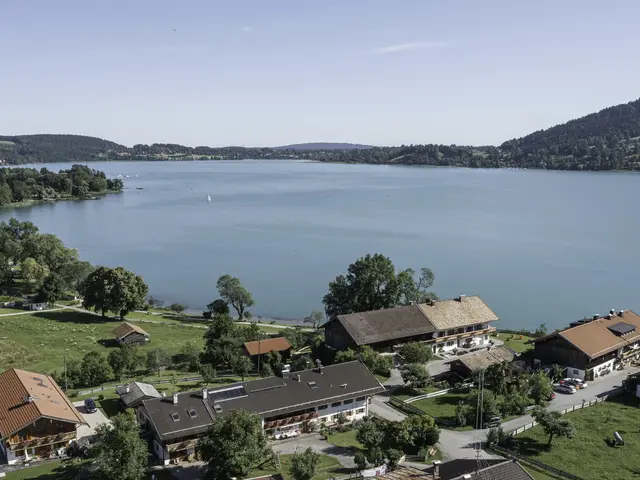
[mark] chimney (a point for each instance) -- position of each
(164, 394)
(612, 311)
(28, 399)
(461, 298)
(436, 468)
(205, 393)
(621, 313)
(596, 316)
(298, 378)
(175, 398)
(127, 388)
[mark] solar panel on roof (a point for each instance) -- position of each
(622, 328)
(227, 394)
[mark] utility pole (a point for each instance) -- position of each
(65, 374)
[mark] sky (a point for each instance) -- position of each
(276, 72)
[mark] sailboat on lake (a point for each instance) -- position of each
(208, 198)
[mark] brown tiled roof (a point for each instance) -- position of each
(278, 344)
(47, 400)
(126, 328)
(387, 324)
(458, 312)
(482, 360)
(595, 339)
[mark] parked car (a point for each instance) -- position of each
(492, 422)
(90, 406)
(576, 382)
(565, 388)
(285, 435)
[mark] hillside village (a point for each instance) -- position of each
(415, 387)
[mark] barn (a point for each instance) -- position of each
(128, 334)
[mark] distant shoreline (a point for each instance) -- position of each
(34, 202)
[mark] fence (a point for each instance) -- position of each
(408, 409)
(434, 394)
(542, 466)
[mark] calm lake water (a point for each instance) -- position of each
(536, 246)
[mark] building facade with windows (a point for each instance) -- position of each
(445, 325)
(37, 420)
(323, 395)
(592, 347)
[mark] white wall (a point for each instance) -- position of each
(572, 372)
(603, 366)
(8, 454)
(161, 452)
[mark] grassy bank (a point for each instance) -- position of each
(40, 341)
(63, 198)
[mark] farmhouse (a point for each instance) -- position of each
(462, 469)
(130, 334)
(132, 394)
(466, 365)
(36, 418)
(287, 404)
(261, 347)
(593, 346)
(445, 325)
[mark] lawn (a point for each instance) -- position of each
(345, 439)
(589, 454)
(517, 343)
(8, 311)
(328, 467)
(403, 393)
(442, 406)
(40, 341)
(54, 470)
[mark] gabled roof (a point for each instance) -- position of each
(509, 470)
(458, 312)
(26, 397)
(495, 469)
(267, 397)
(594, 338)
(278, 344)
(401, 322)
(126, 328)
(482, 360)
(137, 392)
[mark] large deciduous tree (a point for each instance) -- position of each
(553, 424)
(33, 272)
(122, 453)
(95, 369)
(234, 293)
(114, 290)
(416, 352)
(371, 283)
(52, 289)
(415, 374)
(304, 466)
(234, 445)
(124, 361)
(157, 359)
(541, 387)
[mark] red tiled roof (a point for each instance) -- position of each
(269, 345)
(46, 400)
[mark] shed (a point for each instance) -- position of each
(130, 334)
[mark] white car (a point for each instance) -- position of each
(284, 435)
(576, 382)
(565, 388)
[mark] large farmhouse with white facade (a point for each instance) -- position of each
(319, 395)
(445, 325)
(592, 347)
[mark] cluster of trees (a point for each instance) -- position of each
(605, 140)
(378, 364)
(19, 184)
(371, 283)
(113, 290)
(386, 440)
(45, 264)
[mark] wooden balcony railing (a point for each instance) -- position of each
(458, 336)
(175, 447)
(16, 443)
(290, 420)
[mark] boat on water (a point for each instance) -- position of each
(208, 198)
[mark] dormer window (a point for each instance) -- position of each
(175, 416)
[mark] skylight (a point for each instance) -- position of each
(192, 413)
(217, 408)
(175, 416)
(312, 384)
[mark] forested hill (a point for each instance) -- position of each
(323, 146)
(607, 140)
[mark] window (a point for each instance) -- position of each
(449, 344)
(192, 413)
(450, 332)
(360, 399)
(360, 411)
(576, 372)
(336, 404)
(312, 384)
(217, 408)
(348, 413)
(175, 417)
(323, 419)
(348, 402)
(322, 407)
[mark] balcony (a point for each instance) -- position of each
(17, 443)
(175, 447)
(458, 336)
(290, 420)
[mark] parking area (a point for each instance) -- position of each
(87, 432)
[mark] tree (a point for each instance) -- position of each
(415, 374)
(489, 406)
(157, 359)
(124, 361)
(95, 369)
(360, 460)
(541, 331)
(295, 337)
(556, 373)
(414, 290)
(33, 272)
(233, 446)
(497, 376)
(423, 433)
(234, 293)
(189, 357)
(301, 362)
(218, 307)
(6, 195)
(177, 307)
(221, 326)
(553, 424)
(266, 370)
(315, 318)
(416, 352)
(371, 283)
(241, 366)
(304, 466)
(220, 352)
(74, 273)
(371, 433)
(344, 356)
(51, 290)
(208, 374)
(541, 387)
(495, 435)
(114, 290)
(122, 453)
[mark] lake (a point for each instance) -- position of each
(537, 246)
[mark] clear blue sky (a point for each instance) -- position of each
(272, 72)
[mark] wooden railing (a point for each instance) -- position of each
(31, 441)
(290, 420)
(174, 447)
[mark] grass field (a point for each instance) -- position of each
(327, 468)
(8, 311)
(40, 342)
(442, 406)
(54, 470)
(589, 454)
(517, 343)
(345, 439)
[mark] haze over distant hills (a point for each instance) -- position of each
(606, 140)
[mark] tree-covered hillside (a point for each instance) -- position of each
(607, 140)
